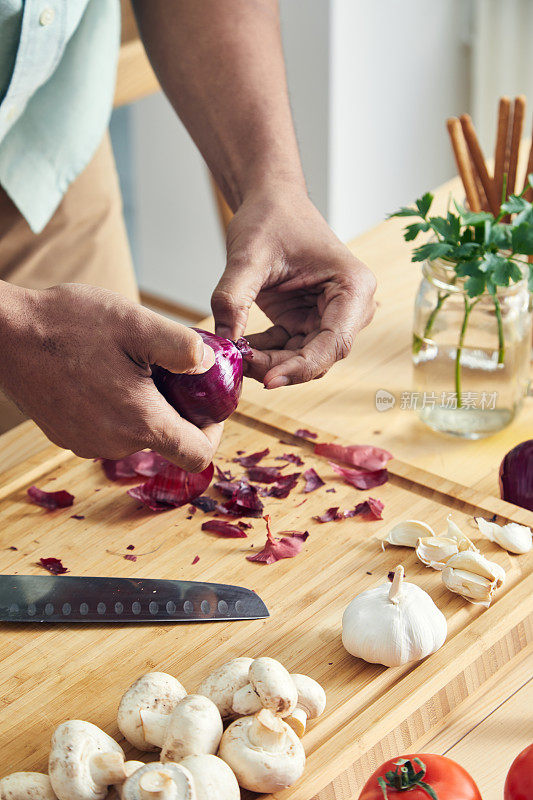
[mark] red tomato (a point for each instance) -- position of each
(436, 776)
(519, 781)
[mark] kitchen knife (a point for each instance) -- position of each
(42, 598)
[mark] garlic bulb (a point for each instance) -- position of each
(473, 576)
(408, 532)
(512, 537)
(393, 624)
(435, 551)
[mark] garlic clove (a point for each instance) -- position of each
(472, 587)
(478, 565)
(512, 537)
(408, 532)
(434, 551)
(455, 533)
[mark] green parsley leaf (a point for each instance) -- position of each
(522, 239)
(475, 285)
(431, 251)
(515, 204)
(505, 272)
(473, 218)
(412, 231)
(405, 211)
(424, 204)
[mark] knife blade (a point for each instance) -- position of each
(72, 599)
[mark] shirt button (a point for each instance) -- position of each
(47, 16)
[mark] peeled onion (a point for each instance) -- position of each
(213, 395)
(516, 475)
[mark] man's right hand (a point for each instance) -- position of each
(76, 359)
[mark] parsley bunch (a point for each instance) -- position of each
(485, 251)
(482, 248)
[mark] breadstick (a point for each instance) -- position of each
(529, 193)
(462, 160)
(479, 162)
(516, 135)
(500, 153)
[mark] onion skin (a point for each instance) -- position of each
(516, 475)
(212, 396)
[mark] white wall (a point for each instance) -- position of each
(399, 69)
(371, 83)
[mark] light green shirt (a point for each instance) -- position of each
(57, 76)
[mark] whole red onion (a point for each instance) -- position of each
(213, 395)
(516, 475)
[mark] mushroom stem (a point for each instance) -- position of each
(107, 768)
(154, 726)
(396, 588)
(129, 768)
(298, 721)
(157, 786)
(268, 731)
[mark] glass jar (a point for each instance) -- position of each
(471, 355)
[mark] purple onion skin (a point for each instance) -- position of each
(516, 475)
(212, 396)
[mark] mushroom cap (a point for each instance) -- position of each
(311, 695)
(180, 776)
(259, 769)
(73, 744)
(26, 786)
(222, 684)
(155, 691)
(194, 727)
(213, 778)
(273, 685)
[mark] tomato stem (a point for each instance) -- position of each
(406, 777)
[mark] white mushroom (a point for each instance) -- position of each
(194, 727)
(311, 702)
(512, 537)
(264, 752)
(159, 782)
(26, 786)
(84, 761)
(408, 532)
(222, 684)
(129, 768)
(213, 779)
(270, 686)
(155, 691)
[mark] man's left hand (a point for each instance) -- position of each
(282, 254)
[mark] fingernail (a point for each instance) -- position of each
(224, 331)
(209, 357)
(277, 383)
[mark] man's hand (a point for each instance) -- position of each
(76, 359)
(283, 255)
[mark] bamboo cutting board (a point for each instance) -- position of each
(49, 674)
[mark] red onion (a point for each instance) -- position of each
(214, 395)
(516, 475)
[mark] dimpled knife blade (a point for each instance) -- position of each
(71, 599)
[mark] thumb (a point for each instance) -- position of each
(173, 346)
(231, 302)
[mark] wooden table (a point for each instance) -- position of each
(492, 730)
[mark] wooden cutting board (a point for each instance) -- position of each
(49, 674)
